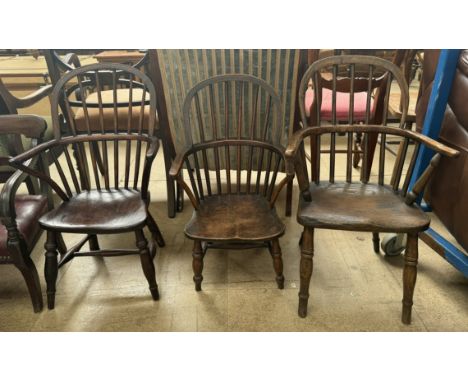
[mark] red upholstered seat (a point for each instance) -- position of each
(342, 105)
(29, 209)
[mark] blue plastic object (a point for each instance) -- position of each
(442, 86)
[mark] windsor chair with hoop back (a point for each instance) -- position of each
(96, 201)
(233, 204)
(378, 204)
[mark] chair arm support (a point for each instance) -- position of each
(188, 191)
(278, 189)
(8, 193)
(178, 163)
(422, 181)
(149, 158)
(32, 98)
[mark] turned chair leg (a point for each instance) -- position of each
(275, 251)
(51, 267)
(409, 276)
(306, 267)
(376, 241)
(197, 264)
(31, 277)
(147, 263)
(155, 231)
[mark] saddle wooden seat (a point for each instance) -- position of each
(359, 207)
(107, 211)
(234, 218)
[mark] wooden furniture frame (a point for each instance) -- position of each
(237, 212)
(19, 213)
(94, 202)
(363, 206)
(178, 70)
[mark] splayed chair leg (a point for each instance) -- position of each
(51, 267)
(275, 251)
(197, 264)
(306, 267)
(147, 263)
(409, 276)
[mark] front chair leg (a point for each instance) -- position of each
(197, 264)
(29, 272)
(275, 251)
(147, 263)
(409, 276)
(51, 267)
(306, 267)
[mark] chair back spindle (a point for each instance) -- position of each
(374, 88)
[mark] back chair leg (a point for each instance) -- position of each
(171, 203)
(180, 198)
(51, 267)
(94, 243)
(147, 263)
(376, 241)
(155, 231)
(197, 264)
(409, 276)
(275, 251)
(29, 272)
(306, 267)
(289, 192)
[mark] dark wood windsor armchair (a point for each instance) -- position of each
(58, 66)
(94, 202)
(233, 205)
(341, 204)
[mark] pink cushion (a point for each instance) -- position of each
(342, 105)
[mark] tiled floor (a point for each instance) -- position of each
(352, 288)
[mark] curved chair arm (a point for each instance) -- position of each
(301, 134)
(298, 138)
(30, 126)
(175, 173)
(19, 160)
(29, 100)
(8, 193)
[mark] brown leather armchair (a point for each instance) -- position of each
(447, 193)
